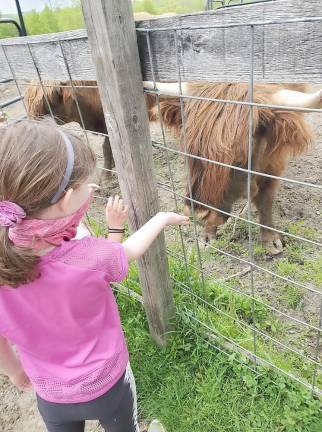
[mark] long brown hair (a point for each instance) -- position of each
(33, 160)
(219, 132)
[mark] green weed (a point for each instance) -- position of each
(291, 296)
(190, 386)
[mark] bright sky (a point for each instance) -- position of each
(9, 6)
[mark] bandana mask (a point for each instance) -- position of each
(39, 233)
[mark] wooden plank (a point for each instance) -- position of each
(115, 54)
(282, 52)
(46, 52)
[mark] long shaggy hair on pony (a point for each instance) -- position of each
(220, 132)
(58, 98)
(70, 101)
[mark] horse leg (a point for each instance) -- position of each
(213, 220)
(264, 204)
(108, 158)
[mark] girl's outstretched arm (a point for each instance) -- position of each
(10, 365)
(137, 244)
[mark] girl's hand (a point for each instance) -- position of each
(175, 219)
(116, 212)
(137, 244)
(21, 380)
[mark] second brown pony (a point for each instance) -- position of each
(77, 101)
(58, 98)
(219, 132)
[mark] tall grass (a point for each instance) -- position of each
(191, 387)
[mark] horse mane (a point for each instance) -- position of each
(61, 97)
(55, 93)
(219, 132)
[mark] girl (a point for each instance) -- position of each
(56, 304)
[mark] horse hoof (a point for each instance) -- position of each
(273, 247)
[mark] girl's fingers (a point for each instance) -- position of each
(109, 204)
(120, 206)
(116, 203)
(185, 220)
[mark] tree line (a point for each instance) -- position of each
(54, 19)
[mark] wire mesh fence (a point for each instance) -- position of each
(266, 311)
(229, 311)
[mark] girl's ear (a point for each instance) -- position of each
(64, 202)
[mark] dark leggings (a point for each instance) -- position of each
(116, 410)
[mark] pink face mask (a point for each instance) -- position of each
(40, 233)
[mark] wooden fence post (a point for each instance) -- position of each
(112, 37)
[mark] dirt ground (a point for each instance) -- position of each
(295, 206)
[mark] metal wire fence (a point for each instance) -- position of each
(211, 317)
(220, 290)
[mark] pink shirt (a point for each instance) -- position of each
(66, 324)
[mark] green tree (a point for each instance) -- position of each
(158, 7)
(54, 17)
(7, 30)
(70, 18)
(145, 6)
(49, 19)
(33, 23)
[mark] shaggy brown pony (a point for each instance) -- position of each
(63, 106)
(219, 132)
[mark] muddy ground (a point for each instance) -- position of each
(297, 210)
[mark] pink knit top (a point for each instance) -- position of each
(66, 324)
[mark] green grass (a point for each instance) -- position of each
(191, 387)
(231, 316)
(287, 268)
(313, 270)
(300, 268)
(291, 296)
(299, 228)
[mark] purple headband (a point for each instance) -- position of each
(12, 214)
(69, 168)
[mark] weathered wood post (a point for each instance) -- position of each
(112, 37)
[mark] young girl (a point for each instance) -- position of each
(56, 304)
